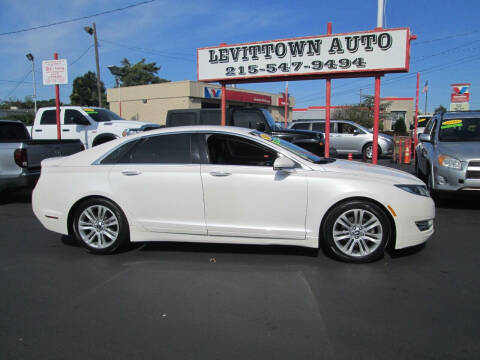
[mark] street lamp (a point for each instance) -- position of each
(31, 58)
(93, 31)
(117, 72)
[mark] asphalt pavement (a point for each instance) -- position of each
(201, 301)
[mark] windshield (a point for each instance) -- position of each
(270, 120)
(467, 129)
(304, 154)
(101, 115)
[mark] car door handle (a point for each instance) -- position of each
(65, 129)
(131, 172)
(220, 173)
(38, 130)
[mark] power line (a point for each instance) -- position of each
(446, 37)
(19, 83)
(150, 51)
(83, 54)
(77, 19)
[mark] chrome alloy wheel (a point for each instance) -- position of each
(357, 232)
(98, 226)
(369, 151)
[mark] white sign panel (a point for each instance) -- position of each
(463, 106)
(55, 72)
(339, 55)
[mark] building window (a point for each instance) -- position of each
(397, 115)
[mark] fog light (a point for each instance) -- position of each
(441, 180)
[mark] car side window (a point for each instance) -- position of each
(160, 149)
(233, 150)
(72, 115)
(428, 128)
(301, 126)
(118, 153)
(49, 117)
(434, 129)
(345, 128)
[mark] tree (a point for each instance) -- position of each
(362, 113)
(139, 74)
(441, 109)
(85, 91)
(399, 126)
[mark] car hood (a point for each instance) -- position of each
(126, 124)
(370, 171)
(460, 150)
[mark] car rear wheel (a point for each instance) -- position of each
(100, 226)
(356, 231)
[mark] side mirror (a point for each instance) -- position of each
(425, 138)
(283, 163)
(79, 121)
(356, 132)
(260, 126)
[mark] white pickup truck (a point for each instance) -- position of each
(91, 125)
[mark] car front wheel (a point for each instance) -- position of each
(356, 231)
(100, 226)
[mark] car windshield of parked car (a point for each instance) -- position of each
(466, 129)
(270, 120)
(101, 115)
(304, 154)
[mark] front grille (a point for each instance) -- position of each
(473, 174)
(474, 163)
(424, 225)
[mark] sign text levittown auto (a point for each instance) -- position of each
(329, 55)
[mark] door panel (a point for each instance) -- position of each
(162, 198)
(254, 201)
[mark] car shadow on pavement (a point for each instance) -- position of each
(19, 196)
(395, 254)
(467, 201)
(230, 248)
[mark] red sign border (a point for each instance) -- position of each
(312, 75)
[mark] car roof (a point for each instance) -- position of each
(462, 114)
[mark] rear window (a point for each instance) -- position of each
(301, 126)
(13, 131)
(210, 117)
(181, 119)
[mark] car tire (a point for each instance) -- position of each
(367, 152)
(100, 226)
(356, 231)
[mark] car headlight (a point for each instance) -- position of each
(414, 189)
(449, 162)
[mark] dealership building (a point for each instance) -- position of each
(398, 108)
(150, 103)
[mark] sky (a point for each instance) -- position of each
(447, 49)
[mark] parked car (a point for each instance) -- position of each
(91, 125)
(20, 156)
(349, 137)
(252, 118)
(229, 185)
(421, 124)
(448, 155)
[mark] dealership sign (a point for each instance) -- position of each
(339, 55)
(460, 93)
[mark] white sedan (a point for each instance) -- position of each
(229, 185)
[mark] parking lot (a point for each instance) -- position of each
(189, 301)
